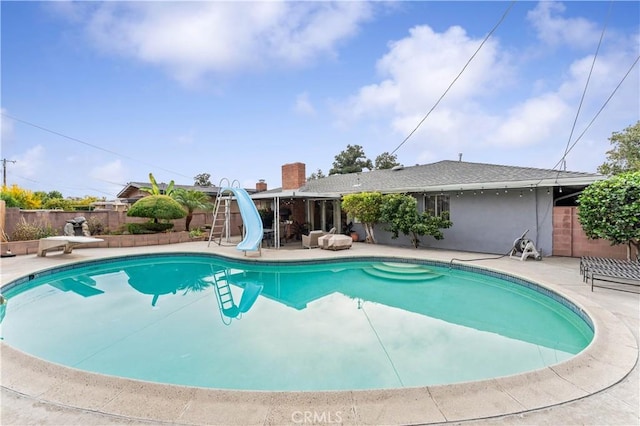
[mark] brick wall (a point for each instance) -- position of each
(570, 240)
(293, 175)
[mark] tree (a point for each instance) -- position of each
(154, 189)
(351, 160)
(191, 200)
(316, 175)
(366, 207)
(202, 179)
(401, 214)
(54, 194)
(386, 161)
(59, 204)
(625, 156)
(157, 207)
(18, 197)
(610, 209)
(9, 199)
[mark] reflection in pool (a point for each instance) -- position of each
(212, 322)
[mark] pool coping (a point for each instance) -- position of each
(609, 358)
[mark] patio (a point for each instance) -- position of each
(599, 386)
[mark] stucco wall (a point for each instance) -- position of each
(490, 222)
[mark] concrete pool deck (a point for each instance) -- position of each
(599, 386)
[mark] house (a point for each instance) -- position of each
(490, 205)
(112, 205)
(132, 192)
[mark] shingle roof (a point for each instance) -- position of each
(210, 190)
(447, 175)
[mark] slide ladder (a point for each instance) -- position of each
(227, 307)
(221, 215)
(253, 232)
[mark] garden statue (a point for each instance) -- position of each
(77, 227)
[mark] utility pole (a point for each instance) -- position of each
(4, 170)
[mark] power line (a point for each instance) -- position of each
(586, 85)
(601, 108)
(502, 18)
(64, 186)
(92, 145)
(597, 114)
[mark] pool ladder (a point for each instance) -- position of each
(223, 294)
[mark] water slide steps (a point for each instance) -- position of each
(401, 272)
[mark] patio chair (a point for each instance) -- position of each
(311, 241)
(624, 272)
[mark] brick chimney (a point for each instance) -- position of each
(261, 185)
(293, 176)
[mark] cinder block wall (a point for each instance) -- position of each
(570, 240)
(110, 219)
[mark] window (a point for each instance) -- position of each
(436, 204)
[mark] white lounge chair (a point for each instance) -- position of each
(67, 243)
(311, 241)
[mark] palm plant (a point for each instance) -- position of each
(154, 189)
(191, 200)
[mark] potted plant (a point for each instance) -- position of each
(348, 230)
(267, 217)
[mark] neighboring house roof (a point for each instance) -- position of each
(447, 176)
(133, 187)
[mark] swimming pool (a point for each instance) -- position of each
(356, 324)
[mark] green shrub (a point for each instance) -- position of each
(96, 227)
(26, 231)
(196, 233)
(158, 227)
(148, 228)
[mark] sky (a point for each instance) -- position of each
(98, 94)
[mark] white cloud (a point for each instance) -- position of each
(110, 173)
(29, 164)
(556, 30)
(485, 110)
(303, 105)
(418, 69)
(532, 121)
(191, 39)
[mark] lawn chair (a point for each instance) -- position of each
(311, 241)
(618, 271)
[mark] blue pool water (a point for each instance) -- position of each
(200, 320)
